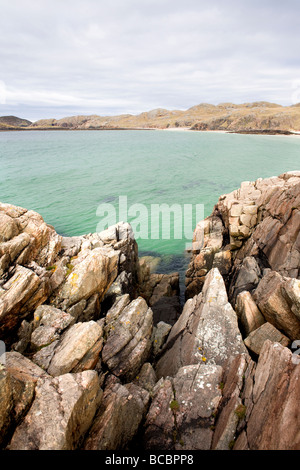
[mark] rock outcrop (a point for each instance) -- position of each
(206, 332)
(100, 356)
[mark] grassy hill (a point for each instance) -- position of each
(259, 116)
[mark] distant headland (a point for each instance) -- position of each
(251, 118)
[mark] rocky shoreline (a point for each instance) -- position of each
(100, 355)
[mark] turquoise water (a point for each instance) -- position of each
(66, 175)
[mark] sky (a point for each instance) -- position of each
(67, 57)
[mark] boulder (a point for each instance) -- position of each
(92, 272)
(146, 377)
(245, 278)
(128, 338)
(232, 409)
(292, 291)
(182, 413)
(23, 292)
(249, 315)
(119, 417)
(78, 350)
(25, 237)
(256, 339)
(273, 420)
(48, 324)
(24, 375)
(61, 414)
(276, 306)
(160, 334)
(207, 330)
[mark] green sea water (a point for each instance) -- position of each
(66, 175)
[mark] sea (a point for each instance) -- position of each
(162, 182)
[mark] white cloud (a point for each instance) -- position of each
(129, 56)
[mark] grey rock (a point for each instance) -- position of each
(183, 409)
(207, 330)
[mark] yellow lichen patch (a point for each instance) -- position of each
(18, 277)
(73, 279)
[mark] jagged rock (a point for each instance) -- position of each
(292, 290)
(206, 331)
(276, 306)
(92, 309)
(232, 409)
(49, 323)
(77, 309)
(61, 413)
(128, 342)
(121, 238)
(27, 237)
(23, 292)
(249, 315)
(24, 375)
(117, 308)
(43, 357)
(261, 220)
(160, 334)
(93, 272)
(182, 413)
(8, 227)
(120, 414)
(246, 278)
(6, 404)
(273, 420)
(71, 245)
(207, 243)
(78, 350)
(121, 286)
(256, 339)
(146, 378)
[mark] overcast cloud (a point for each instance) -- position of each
(65, 57)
